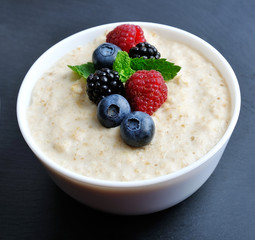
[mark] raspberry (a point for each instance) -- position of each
(103, 83)
(144, 50)
(146, 91)
(126, 36)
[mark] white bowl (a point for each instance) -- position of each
(136, 197)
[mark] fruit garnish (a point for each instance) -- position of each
(83, 70)
(146, 91)
(112, 110)
(137, 129)
(126, 36)
(144, 50)
(103, 83)
(104, 55)
(126, 66)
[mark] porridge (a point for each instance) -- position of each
(63, 121)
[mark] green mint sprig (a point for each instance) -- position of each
(167, 69)
(83, 70)
(122, 65)
(126, 66)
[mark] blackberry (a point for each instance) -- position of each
(144, 50)
(103, 83)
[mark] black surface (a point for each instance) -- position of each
(32, 207)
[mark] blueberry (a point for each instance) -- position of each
(104, 55)
(137, 129)
(112, 109)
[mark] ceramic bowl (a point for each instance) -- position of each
(136, 197)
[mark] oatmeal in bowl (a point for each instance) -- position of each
(119, 122)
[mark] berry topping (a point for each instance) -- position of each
(144, 50)
(146, 91)
(103, 83)
(112, 110)
(137, 129)
(126, 36)
(104, 55)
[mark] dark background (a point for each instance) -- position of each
(32, 207)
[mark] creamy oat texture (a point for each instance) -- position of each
(193, 119)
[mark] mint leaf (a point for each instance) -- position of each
(83, 70)
(122, 66)
(126, 66)
(167, 69)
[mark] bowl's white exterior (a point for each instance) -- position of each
(138, 197)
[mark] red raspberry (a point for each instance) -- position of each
(126, 36)
(146, 91)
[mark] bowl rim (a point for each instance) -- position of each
(236, 102)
